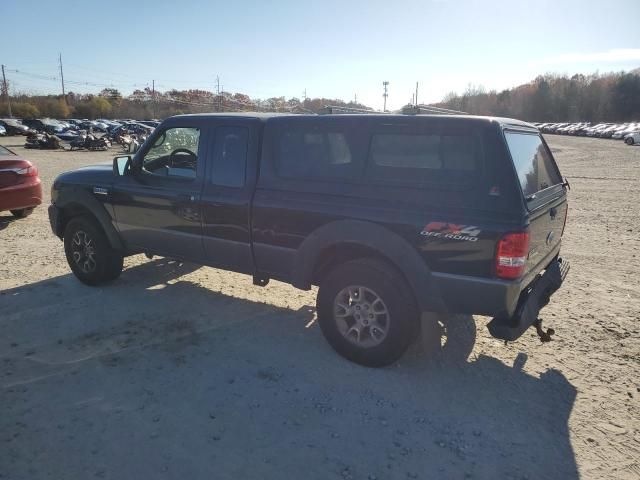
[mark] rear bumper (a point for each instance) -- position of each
(513, 304)
(21, 196)
(476, 295)
(530, 302)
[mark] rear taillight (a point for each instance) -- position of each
(28, 171)
(511, 255)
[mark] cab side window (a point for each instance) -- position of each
(314, 153)
(174, 153)
(230, 156)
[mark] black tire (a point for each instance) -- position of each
(22, 213)
(402, 323)
(105, 263)
(629, 141)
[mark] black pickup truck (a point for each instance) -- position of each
(390, 215)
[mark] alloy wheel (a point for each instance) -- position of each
(83, 249)
(361, 316)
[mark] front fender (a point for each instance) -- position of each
(374, 237)
(77, 199)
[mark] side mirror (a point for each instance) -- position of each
(121, 165)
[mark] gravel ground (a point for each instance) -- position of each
(175, 371)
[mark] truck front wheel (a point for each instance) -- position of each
(89, 253)
(367, 312)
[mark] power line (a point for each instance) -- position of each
(220, 102)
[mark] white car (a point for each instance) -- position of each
(632, 138)
(631, 128)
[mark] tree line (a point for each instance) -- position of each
(148, 104)
(612, 97)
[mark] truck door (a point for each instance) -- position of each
(157, 207)
(226, 197)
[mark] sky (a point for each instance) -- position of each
(334, 49)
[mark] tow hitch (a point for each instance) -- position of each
(531, 301)
(545, 336)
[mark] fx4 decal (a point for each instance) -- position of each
(468, 233)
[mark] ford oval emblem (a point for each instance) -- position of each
(550, 236)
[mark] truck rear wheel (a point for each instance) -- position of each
(89, 253)
(367, 312)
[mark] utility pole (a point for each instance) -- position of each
(385, 85)
(6, 91)
(304, 96)
(218, 103)
(355, 98)
(64, 97)
(416, 97)
(153, 98)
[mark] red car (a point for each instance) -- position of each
(20, 187)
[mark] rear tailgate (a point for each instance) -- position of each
(544, 193)
(545, 232)
(546, 200)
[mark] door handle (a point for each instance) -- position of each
(553, 211)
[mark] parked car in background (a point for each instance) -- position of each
(632, 138)
(600, 130)
(3, 131)
(622, 133)
(100, 127)
(48, 125)
(593, 131)
(14, 126)
(613, 129)
(69, 135)
(132, 127)
(20, 187)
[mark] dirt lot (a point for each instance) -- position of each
(176, 371)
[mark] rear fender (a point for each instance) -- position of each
(384, 242)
